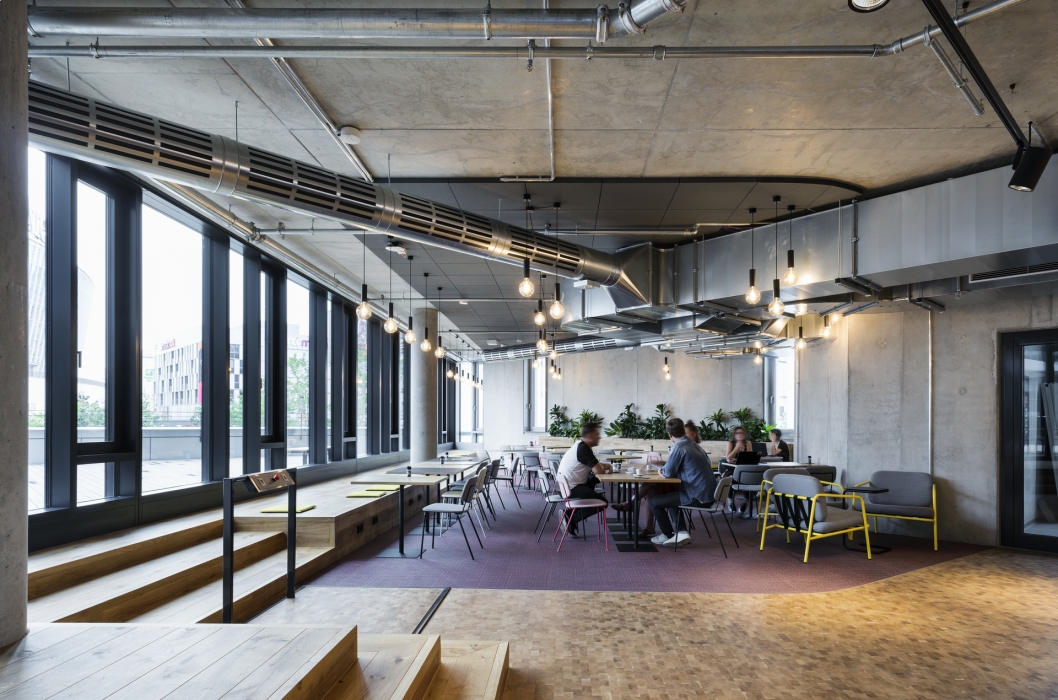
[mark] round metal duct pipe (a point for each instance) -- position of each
(80, 127)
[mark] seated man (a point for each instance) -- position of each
(579, 466)
(689, 463)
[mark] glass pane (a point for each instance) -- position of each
(480, 420)
(91, 483)
(35, 327)
(297, 375)
(540, 397)
(784, 389)
(466, 403)
(1040, 403)
(92, 226)
(266, 323)
(361, 387)
(172, 353)
(402, 352)
(236, 383)
(327, 383)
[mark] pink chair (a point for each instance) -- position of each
(572, 504)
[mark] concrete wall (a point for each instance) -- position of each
(863, 399)
(605, 381)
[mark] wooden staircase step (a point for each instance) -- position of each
(150, 662)
(257, 586)
(391, 667)
(470, 670)
(132, 591)
(56, 568)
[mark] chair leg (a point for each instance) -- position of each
(422, 540)
(547, 520)
(564, 531)
(721, 539)
(934, 532)
(729, 530)
(808, 543)
(434, 529)
(460, 521)
(567, 516)
(504, 505)
(541, 518)
(707, 526)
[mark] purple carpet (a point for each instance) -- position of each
(513, 559)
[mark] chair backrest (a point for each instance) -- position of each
(494, 469)
(482, 454)
(823, 472)
(563, 486)
(531, 459)
(905, 489)
(775, 471)
(545, 482)
(483, 474)
(469, 489)
(723, 490)
(792, 510)
(749, 474)
(553, 464)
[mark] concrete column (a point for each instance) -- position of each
(14, 375)
(423, 389)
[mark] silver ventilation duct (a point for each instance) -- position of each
(350, 23)
(561, 347)
(80, 127)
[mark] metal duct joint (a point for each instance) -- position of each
(80, 127)
(346, 23)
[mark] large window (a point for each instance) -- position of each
(236, 363)
(36, 325)
(361, 387)
(535, 396)
(470, 414)
(299, 345)
(780, 380)
(172, 353)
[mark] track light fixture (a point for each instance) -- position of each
(752, 294)
(790, 278)
(1029, 164)
(867, 5)
(364, 310)
(526, 287)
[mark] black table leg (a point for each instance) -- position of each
(400, 516)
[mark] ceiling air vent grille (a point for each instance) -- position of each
(286, 178)
(562, 347)
(1022, 271)
(544, 252)
(58, 115)
(445, 223)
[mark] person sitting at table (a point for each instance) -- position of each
(778, 447)
(692, 431)
(689, 463)
(579, 466)
(739, 442)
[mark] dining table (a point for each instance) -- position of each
(631, 481)
(403, 480)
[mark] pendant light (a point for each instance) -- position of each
(554, 351)
(834, 317)
(558, 374)
(826, 326)
(757, 344)
(668, 374)
(409, 337)
(790, 278)
(451, 375)
(526, 287)
(557, 310)
(425, 345)
(800, 344)
(539, 318)
(757, 358)
(753, 294)
(440, 351)
(776, 307)
(390, 326)
(364, 310)
(541, 343)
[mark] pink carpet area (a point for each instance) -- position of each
(513, 559)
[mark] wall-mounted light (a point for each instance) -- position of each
(390, 326)
(752, 294)
(364, 310)
(526, 287)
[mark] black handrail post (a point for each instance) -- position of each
(292, 512)
(228, 556)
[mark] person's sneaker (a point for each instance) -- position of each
(621, 507)
(660, 539)
(681, 539)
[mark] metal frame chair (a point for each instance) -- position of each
(551, 501)
(894, 516)
(574, 504)
(723, 488)
(801, 506)
(451, 509)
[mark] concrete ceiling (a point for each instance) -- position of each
(448, 129)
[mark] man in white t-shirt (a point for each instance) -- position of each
(579, 466)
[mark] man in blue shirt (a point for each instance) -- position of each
(689, 463)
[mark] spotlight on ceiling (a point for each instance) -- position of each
(1030, 168)
(867, 5)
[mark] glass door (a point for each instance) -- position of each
(1029, 441)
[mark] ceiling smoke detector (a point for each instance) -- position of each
(867, 5)
(351, 135)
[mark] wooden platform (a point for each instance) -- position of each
(470, 671)
(199, 662)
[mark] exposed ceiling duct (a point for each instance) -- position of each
(561, 347)
(81, 127)
(351, 23)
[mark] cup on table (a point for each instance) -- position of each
(639, 472)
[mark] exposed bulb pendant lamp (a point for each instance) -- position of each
(364, 310)
(834, 318)
(440, 351)
(539, 318)
(800, 344)
(826, 326)
(557, 310)
(541, 343)
(665, 367)
(790, 278)
(451, 375)
(554, 351)
(757, 358)
(753, 294)
(526, 287)
(409, 337)
(390, 326)
(425, 345)
(558, 374)
(776, 307)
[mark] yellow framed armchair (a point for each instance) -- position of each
(800, 504)
(911, 496)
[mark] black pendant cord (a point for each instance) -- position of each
(966, 55)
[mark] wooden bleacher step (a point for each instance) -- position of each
(257, 586)
(470, 670)
(132, 591)
(151, 662)
(391, 667)
(53, 569)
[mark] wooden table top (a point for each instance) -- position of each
(433, 469)
(413, 480)
(624, 477)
